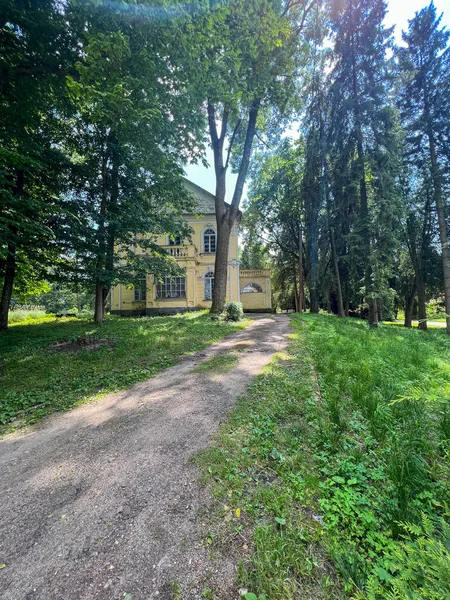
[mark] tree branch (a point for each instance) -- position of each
(231, 143)
(212, 124)
(243, 168)
(261, 140)
(291, 4)
(223, 131)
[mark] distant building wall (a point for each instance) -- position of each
(255, 289)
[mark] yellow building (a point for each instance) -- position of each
(194, 290)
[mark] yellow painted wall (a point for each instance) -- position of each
(256, 300)
(196, 262)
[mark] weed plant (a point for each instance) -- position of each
(337, 460)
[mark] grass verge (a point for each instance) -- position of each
(36, 380)
(332, 475)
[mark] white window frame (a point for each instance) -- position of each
(208, 286)
(140, 292)
(169, 288)
(209, 240)
(250, 283)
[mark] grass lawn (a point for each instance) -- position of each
(36, 380)
(332, 476)
(437, 318)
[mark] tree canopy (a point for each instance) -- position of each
(343, 135)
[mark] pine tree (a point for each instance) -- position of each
(425, 106)
(364, 147)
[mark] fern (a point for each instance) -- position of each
(419, 566)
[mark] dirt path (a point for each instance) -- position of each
(102, 502)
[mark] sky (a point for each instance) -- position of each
(399, 12)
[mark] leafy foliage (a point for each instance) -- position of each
(418, 567)
(235, 311)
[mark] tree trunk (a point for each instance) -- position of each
(313, 254)
(347, 307)
(364, 205)
(340, 302)
(10, 263)
(8, 282)
(227, 216)
(98, 309)
(221, 265)
(326, 199)
(301, 283)
(422, 302)
(379, 306)
(442, 225)
(314, 298)
(295, 292)
(112, 212)
(409, 307)
(99, 313)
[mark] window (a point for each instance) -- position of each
(209, 241)
(209, 285)
(140, 291)
(175, 240)
(171, 287)
(252, 288)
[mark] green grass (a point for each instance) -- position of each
(436, 317)
(338, 462)
(29, 316)
(35, 380)
(219, 364)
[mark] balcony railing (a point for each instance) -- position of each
(177, 251)
(250, 273)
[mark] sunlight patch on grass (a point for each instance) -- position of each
(35, 381)
(327, 456)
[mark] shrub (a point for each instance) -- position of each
(235, 311)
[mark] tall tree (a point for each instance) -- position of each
(35, 59)
(136, 120)
(425, 104)
(275, 211)
(363, 129)
(247, 54)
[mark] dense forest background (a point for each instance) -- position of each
(344, 135)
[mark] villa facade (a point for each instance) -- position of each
(196, 256)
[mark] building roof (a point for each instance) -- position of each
(205, 200)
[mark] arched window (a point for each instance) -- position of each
(209, 284)
(251, 288)
(209, 241)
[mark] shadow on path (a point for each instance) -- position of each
(103, 501)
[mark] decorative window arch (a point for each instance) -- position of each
(252, 288)
(208, 278)
(209, 240)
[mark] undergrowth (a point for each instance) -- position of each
(332, 475)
